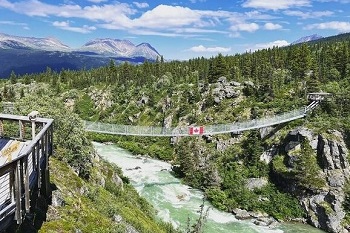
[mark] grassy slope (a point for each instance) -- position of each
(91, 208)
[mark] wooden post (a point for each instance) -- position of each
(18, 212)
(32, 117)
(21, 130)
(1, 128)
(26, 186)
(33, 130)
(37, 150)
(12, 185)
(33, 153)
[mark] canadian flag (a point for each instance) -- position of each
(196, 130)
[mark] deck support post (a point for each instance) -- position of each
(1, 128)
(18, 212)
(21, 130)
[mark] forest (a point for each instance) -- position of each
(177, 93)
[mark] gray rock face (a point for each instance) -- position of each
(225, 90)
(57, 199)
(99, 179)
(323, 207)
(268, 155)
(249, 83)
(256, 183)
(167, 121)
(222, 145)
(257, 218)
(101, 98)
(117, 180)
(264, 221)
(241, 214)
(117, 218)
(130, 229)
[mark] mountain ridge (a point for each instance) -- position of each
(309, 38)
(100, 46)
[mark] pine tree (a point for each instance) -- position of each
(13, 77)
(217, 68)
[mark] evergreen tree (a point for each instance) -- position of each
(217, 68)
(13, 77)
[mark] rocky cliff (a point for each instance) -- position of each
(322, 195)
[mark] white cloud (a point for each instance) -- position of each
(258, 15)
(333, 25)
(6, 4)
(277, 43)
(198, 30)
(65, 25)
(158, 33)
(164, 16)
(164, 20)
(272, 26)
(248, 27)
(275, 4)
(203, 49)
(107, 12)
(309, 15)
(141, 4)
(12, 23)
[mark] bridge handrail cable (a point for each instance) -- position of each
(209, 129)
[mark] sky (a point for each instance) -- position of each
(178, 29)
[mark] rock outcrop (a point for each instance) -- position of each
(323, 205)
(225, 90)
(257, 218)
(101, 98)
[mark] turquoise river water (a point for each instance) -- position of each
(177, 202)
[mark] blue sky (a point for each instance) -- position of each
(181, 29)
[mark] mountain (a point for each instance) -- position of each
(120, 48)
(144, 49)
(307, 39)
(32, 55)
(17, 42)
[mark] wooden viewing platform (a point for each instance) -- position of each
(25, 147)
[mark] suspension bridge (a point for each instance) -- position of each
(236, 127)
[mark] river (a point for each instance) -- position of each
(176, 202)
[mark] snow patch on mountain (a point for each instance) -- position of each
(307, 39)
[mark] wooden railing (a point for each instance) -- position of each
(28, 171)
